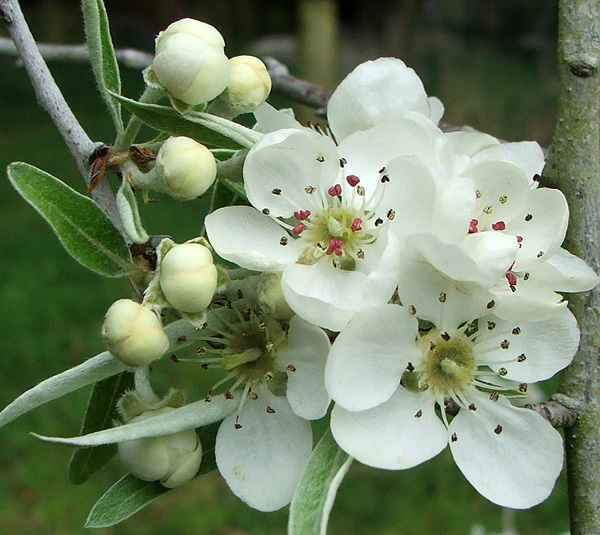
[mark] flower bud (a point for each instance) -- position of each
(171, 459)
(188, 277)
(187, 168)
(190, 63)
(248, 87)
(133, 333)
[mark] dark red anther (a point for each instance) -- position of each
(302, 215)
(334, 191)
(336, 246)
(473, 226)
(298, 229)
(356, 225)
(512, 279)
(499, 225)
(353, 180)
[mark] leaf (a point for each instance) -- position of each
(203, 127)
(130, 215)
(83, 229)
(100, 413)
(102, 56)
(180, 334)
(128, 495)
(197, 414)
(316, 490)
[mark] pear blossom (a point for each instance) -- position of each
(446, 345)
(262, 447)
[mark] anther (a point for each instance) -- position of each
(391, 214)
(498, 429)
(473, 226)
(174, 358)
(353, 180)
(298, 229)
(291, 368)
(505, 344)
(360, 254)
(491, 304)
(502, 372)
(253, 396)
(488, 210)
(228, 394)
(511, 278)
(266, 211)
(302, 215)
(201, 351)
(378, 221)
(182, 338)
(207, 398)
(320, 158)
(491, 325)
(445, 336)
(432, 346)
(270, 410)
(382, 170)
(419, 413)
(385, 179)
(356, 225)
(360, 190)
(237, 425)
(523, 387)
(494, 396)
(343, 162)
(516, 330)
(410, 367)
(334, 191)
(276, 191)
(522, 357)
(502, 199)
(283, 241)
(239, 294)
(536, 178)
(499, 225)
(453, 437)
(310, 189)
(442, 297)
(540, 254)
(412, 310)
(528, 217)
(268, 376)
(478, 194)
(526, 277)
(472, 407)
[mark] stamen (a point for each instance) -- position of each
(512, 279)
(473, 226)
(353, 180)
(298, 229)
(528, 217)
(499, 225)
(302, 215)
(335, 191)
(335, 246)
(356, 225)
(247, 386)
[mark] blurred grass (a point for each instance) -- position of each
(52, 310)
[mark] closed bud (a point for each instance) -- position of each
(133, 333)
(185, 167)
(171, 459)
(188, 277)
(190, 62)
(248, 87)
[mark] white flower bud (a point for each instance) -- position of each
(133, 333)
(188, 277)
(248, 87)
(171, 459)
(187, 168)
(190, 63)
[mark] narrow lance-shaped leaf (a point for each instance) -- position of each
(100, 413)
(180, 334)
(316, 490)
(130, 494)
(197, 414)
(203, 127)
(83, 229)
(102, 56)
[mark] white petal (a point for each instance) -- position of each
(241, 234)
(529, 351)
(401, 433)
(516, 467)
(303, 359)
(263, 460)
(368, 358)
(493, 251)
(564, 272)
(470, 143)
(528, 155)
(442, 282)
(288, 161)
(322, 294)
(270, 119)
(436, 109)
(375, 91)
(453, 209)
(529, 301)
(542, 225)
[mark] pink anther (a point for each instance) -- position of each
(334, 191)
(473, 226)
(298, 229)
(302, 215)
(512, 279)
(356, 225)
(353, 180)
(499, 225)
(336, 246)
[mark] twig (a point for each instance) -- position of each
(51, 99)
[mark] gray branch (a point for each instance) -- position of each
(575, 169)
(51, 99)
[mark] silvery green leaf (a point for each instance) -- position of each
(102, 56)
(82, 228)
(130, 215)
(128, 495)
(100, 413)
(203, 127)
(197, 414)
(316, 490)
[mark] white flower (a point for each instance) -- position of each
(171, 459)
(190, 63)
(133, 333)
(386, 378)
(263, 446)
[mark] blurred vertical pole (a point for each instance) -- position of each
(576, 171)
(319, 41)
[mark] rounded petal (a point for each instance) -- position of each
(512, 456)
(529, 351)
(527, 155)
(400, 433)
(375, 91)
(241, 234)
(436, 109)
(368, 357)
(442, 282)
(564, 272)
(303, 359)
(542, 225)
(285, 162)
(453, 209)
(493, 251)
(470, 143)
(263, 460)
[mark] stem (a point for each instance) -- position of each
(143, 386)
(576, 169)
(51, 99)
(150, 95)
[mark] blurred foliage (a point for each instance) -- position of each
(492, 64)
